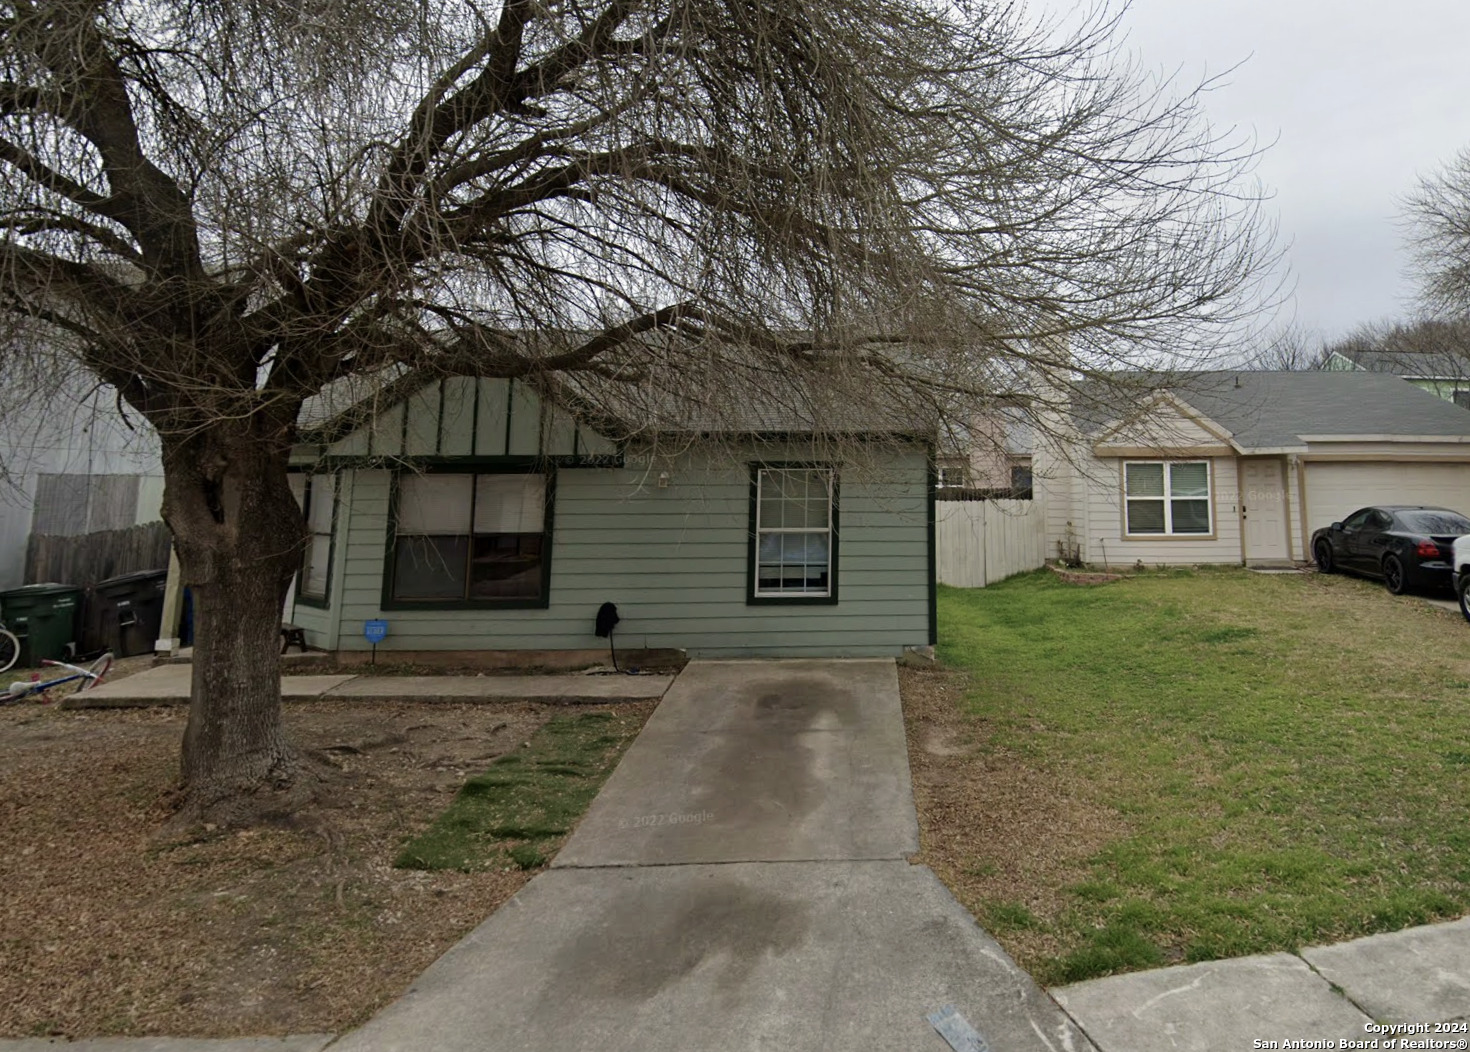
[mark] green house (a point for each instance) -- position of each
(1443, 374)
(485, 524)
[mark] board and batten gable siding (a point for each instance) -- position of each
(461, 416)
(674, 560)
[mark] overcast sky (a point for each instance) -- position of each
(1361, 99)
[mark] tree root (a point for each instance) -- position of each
(247, 798)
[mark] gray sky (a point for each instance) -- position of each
(1361, 99)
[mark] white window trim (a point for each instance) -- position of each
(781, 593)
(1168, 500)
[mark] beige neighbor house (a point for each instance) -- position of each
(1241, 467)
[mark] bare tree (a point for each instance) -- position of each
(1289, 349)
(220, 207)
(1439, 213)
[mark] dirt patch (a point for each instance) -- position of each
(103, 930)
(998, 832)
(1084, 576)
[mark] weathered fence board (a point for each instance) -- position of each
(981, 542)
(87, 558)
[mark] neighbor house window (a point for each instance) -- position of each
(1461, 397)
(952, 474)
(1167, 498)
(475, 539)
(317, 496)
(793, 535)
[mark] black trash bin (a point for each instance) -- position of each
(44, 619)
(130, 611)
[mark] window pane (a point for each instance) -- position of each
(770, 518)
(434, 503)
(1145, 480)
(1189, 480)
(1191, 516)
(510, 503)
(314, 573)
(1145, 516)
(319, 516)
(506, 566)
(804, 548)
(782, 484)
(793, 563)
(430, 567)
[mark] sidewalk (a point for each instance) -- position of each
(1327, 993)
(169, 685)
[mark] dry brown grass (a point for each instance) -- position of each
(996, 830)
(104, 930)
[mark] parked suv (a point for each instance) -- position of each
(1461, 559)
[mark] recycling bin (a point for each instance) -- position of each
(44, 619)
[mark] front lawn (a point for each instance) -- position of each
(1183, 765)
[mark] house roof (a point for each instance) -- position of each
(1283, 410)
(1418, 365)
(702, 387)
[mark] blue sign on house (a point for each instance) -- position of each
(375, 631)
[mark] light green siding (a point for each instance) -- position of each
(673, 560)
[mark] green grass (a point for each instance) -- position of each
(1287, 755)
(517, 813)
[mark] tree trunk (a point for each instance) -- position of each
(239, 535)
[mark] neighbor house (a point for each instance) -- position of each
(483, 522)
(1443, 373)
(997, 455)
(1241, 467)
(72, 464)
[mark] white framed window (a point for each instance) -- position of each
(793, 555)
(1167, 498)
(317, 497)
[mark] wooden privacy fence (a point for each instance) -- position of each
(980, 542)
(87, 558)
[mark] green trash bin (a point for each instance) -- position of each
(44, 619)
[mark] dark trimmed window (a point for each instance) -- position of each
(793, 529)
(317, 496)
(470, 539)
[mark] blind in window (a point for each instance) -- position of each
(510, 503)
(434, 504)
(319, 516)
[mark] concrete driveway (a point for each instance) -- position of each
(740, 883)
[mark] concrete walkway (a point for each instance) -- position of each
(1353, 991)
(740, 883)
(169, 685)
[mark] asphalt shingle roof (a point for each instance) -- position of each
(1274, 410)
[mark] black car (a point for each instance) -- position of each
(1408, 546)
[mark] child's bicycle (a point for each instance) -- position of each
(9, 648)
(84, 678)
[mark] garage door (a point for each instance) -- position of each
(1334, 490)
